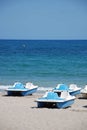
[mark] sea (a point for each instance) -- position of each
(45, 63)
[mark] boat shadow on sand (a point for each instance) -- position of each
(85, 106)
(49, 106)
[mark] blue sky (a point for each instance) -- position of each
(43, 19)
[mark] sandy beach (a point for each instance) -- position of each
(21, 113)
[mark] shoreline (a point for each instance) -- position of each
(21, 113)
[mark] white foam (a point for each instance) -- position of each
(3, 87)
(44, 88)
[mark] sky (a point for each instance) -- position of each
(43, 19)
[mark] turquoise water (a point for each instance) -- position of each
(43, 62)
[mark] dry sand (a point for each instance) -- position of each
(21, 113)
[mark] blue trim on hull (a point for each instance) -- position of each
(40, 104)
(21, 93)
(29, 92)
(57, 105)
(73, 93)
(64, 104)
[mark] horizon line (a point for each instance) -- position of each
(47, 39)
